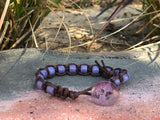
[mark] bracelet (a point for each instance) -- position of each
(103, 93)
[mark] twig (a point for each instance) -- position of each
(4, 32)
(142, 40)
(158, 26)
(4, 13)
(20, 39)
(121, 5)
(47, 48)
(60, 26)
(110, 4)
(25, 16)
(33, 35)
(23, 27)
(8, 37)
(25, 36)
(158, 15)
(151, 44)
(104, 37)
(67, 4)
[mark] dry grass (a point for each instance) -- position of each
(152, 23)
(19, 19)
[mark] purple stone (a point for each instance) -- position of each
(72, 68)
(95, 69)
(44, 72)
(83, 68)
(125, 78)
(109, 69)
(116, 72)
(50, 90)
(40, 85)
(105, 93)
(117, 82)
(61, 69)
(51, 70)
(40, 75)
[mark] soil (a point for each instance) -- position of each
(80, 27)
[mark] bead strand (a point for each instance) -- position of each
(117, 76)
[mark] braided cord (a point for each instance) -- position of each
(117, 76)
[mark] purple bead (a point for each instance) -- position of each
(117, 82)
(72, 68)
(116, 72)
(109, 69)
(95, 69)
(44, 72)
(40, 75)
(125, 78)
(51, 70)
(39, 85)
(104, 93)
(61, 69)
(83, 68)
(50, 90)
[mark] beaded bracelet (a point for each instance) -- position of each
(103, 93)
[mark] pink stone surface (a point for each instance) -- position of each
(37, 105)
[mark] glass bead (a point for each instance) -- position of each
(40, 85)
(116, 72)
(117, 82)
(40, 75)
(72, 68)
(104, 93)
(50, 90)
(44, 72)
(95, 69)
(51, 70)
(61, 69)
(83, 68)
(109, 69)
(125, 77)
